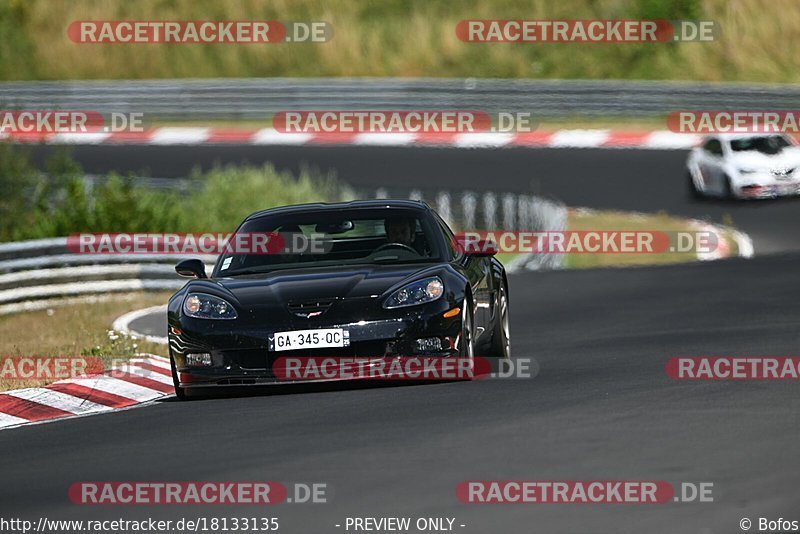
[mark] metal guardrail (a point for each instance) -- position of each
(45, 268)
(259, 98)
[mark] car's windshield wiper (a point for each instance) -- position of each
(384, 259)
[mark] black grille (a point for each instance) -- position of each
(783, 172)
(309, 308)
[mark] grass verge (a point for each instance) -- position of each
(580, 220)
(76, 330)
(591, 220)
(404, 38)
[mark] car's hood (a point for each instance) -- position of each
(317, 283)
(752, 159)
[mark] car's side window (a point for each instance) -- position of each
(713, 147)
(450, 239)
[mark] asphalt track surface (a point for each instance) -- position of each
(601, 407)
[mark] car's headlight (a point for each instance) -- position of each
(748, 171)
(419, 292)
(202, 306)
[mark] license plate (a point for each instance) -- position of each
(320, 338)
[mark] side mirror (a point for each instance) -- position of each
(476, 244)
(191, 268)
(482, 249)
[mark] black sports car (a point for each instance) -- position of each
(390, 281)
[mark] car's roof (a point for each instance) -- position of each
(334, 206)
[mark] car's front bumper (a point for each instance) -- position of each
(242, 356)
(769, 190)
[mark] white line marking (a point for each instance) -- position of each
(270, 136)
(73, 138)
(122, 324)
(579, 138)
(61, 401)
(670, 140)
(476, 140)
(180, 136)
(9, 420)
(384, 139)
(118, 387)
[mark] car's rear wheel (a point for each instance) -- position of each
(501, 337)
(466, 342)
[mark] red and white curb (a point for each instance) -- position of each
(568, 138)
(122, 324)
(139, 380)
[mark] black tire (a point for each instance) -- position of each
(466, 344)
(180, 392)
(727, 190)
(501, 337)
(694, 193)
(466, 339)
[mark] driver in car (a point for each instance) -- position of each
(400, 230)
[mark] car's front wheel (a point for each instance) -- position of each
(694, 192)
(466, 340)
(180, 392)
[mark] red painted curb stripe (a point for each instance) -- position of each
(142, 381)
(231, 135)
(438, 138)
(94, 395)
(26, 409)
(129, 137)
(154, 368)
(622, 138)
(335, 138)
(532, 139)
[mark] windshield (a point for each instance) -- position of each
(771, 144)
(319, 239)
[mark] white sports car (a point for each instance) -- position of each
(745, 166)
